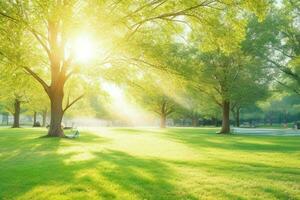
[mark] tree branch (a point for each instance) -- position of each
(7, 16)
(285, 70)
(166, 16)
(38, 78)
(288, 87)
(37, 36)
(73, 102)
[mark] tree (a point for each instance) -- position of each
(16, 85)
(52, 24)
(252, 86)
(38, 103)
(162, 106)
(220, 73)
(277, 41)
(281, 107)
(53, 37)
(192, 106)
(16, 89)
(154, 96)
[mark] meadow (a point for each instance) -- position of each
(147, 163)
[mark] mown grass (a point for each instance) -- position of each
(124, 163)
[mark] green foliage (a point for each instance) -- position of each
(204, 45)
(277, 41)
(154, 94)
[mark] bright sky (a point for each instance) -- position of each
(84, 48)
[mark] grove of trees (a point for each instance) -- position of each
(211, 59)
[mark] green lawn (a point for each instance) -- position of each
(122, 163)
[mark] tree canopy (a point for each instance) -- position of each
(194, 59)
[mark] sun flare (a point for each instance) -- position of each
(84, 49)
(123, 108)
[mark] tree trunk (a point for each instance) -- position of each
(195, 121)
(5, 118)
(214, 121)
(237, 117)
(163, 119)
(44, 115)
(17, 110)
(286, 119)
(34, 119)
(56, 99)
(225, 121)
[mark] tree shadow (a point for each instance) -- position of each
(52, 168)
(110, 175)
(267, 180)
(202, 139)
(146, 178)
(49, 168)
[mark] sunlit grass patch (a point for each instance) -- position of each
(145, 163)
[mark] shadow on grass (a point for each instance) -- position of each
(39, 168)
(263, 178)
(52, 168)
(201, 138)
(206, 138)
(145, 178)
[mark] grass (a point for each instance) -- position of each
(122, 163)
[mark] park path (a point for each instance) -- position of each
(266, 131)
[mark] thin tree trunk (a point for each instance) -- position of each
(5, 118)
(34, 119)
(271, 118)
(44, 116)
(195, 121)
(286, 119)
(17, 110)
(225, 120)
(214, 121)
(237, 119)
(163, 120)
